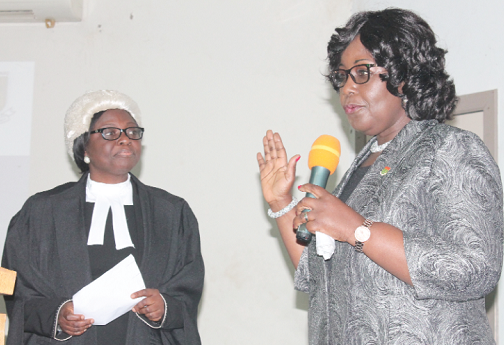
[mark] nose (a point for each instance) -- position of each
(349, 87)
(123, 139)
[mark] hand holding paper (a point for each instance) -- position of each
(123, 279)
(153, 306)
(70, 323)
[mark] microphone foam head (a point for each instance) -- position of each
(325, 152)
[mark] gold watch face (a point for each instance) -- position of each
(362, 233)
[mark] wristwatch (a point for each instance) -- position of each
(362, 234)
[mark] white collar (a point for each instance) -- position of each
(378, 148)
(106, 196)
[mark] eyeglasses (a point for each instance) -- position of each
(113, 133)
(360, 75)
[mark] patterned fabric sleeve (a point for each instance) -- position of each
(458, 255)
(302, 275)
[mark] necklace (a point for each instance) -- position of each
(378, 148)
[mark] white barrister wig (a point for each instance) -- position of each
(79, 115)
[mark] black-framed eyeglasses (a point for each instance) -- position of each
(113, 133)
(360, 75)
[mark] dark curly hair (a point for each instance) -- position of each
(405, 45)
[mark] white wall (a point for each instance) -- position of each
(472, 33)
(210, 78)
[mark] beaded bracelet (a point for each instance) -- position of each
(284, 210)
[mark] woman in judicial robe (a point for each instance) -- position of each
(65, 238)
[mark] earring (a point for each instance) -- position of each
(87, 160)
(404, 102)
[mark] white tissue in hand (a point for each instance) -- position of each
(325, 245)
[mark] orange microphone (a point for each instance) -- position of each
(322, 160)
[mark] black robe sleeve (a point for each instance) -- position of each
(34, 304)
(174, 264)
(182, 292)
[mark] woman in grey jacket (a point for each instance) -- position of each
(417, 219)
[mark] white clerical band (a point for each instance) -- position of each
(109, 196)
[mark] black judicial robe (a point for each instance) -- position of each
(47, 245)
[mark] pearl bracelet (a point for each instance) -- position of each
(284, 210)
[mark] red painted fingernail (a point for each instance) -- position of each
(299, 187)
(298, 158)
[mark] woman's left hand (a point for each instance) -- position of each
(152, 306)
(328, 215)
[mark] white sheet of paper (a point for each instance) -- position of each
(109, 296)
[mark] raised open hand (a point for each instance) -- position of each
(277, 175)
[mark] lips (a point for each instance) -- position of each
(352, 108)
(124, 153)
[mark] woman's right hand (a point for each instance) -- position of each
(70, 323)
(277, 176)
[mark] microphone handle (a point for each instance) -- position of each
(319, 177)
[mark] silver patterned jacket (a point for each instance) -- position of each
(443, 190)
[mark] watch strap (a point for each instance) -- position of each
(358, 244)
(367, 223)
